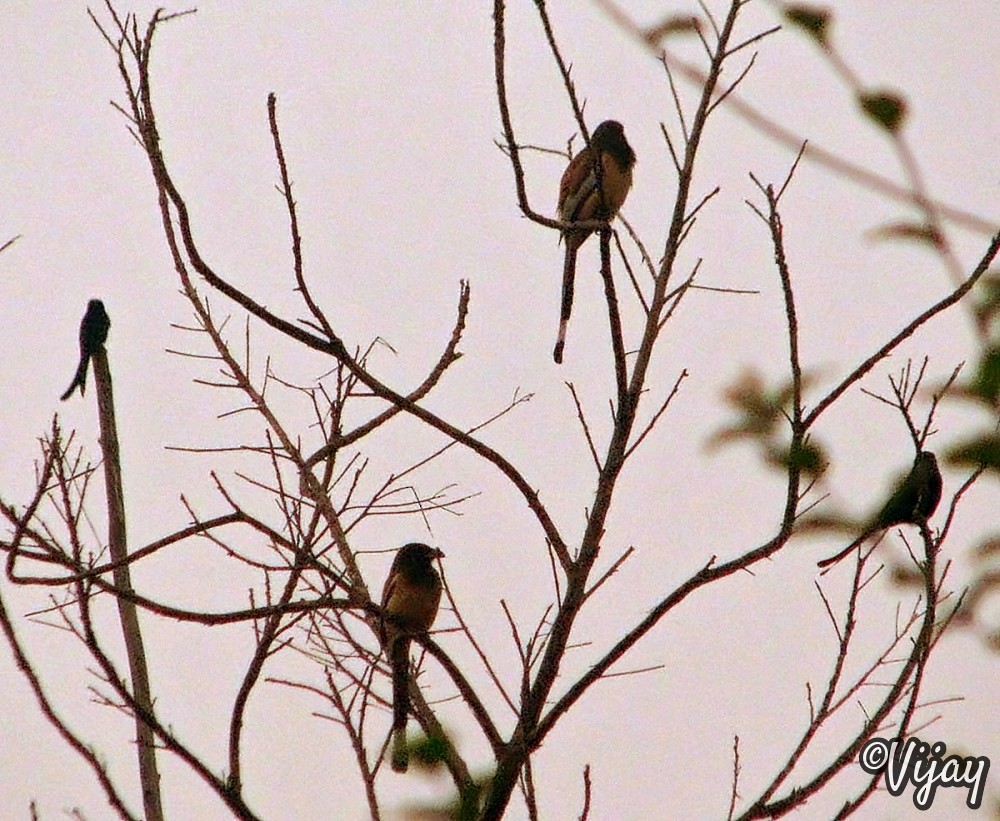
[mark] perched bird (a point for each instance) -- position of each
(410, 601)
(593, 187)
(93, 333)
(914, 500)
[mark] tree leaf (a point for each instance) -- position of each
(813, 20)
(983, 451)
(885, 108)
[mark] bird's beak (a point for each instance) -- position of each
(438, 553)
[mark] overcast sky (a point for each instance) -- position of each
(389, 116)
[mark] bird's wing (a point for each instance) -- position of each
(578, 182)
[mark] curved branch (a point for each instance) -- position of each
(333, 346)
(981, 268)
(449, 355)
(85, 752)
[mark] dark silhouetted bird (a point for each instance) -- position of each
(93, 334)
(410, 602)
(914, 500)
(594, 186)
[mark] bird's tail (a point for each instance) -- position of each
(79, 379)
(569, 275)
(836, 558)
(399, 658)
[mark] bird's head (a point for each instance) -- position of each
(416, 553)
(609, 136)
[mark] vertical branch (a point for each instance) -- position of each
(265, 644)
(680, 217)
(149, 776)
(795, 450)
(564, 70)
(500, 73)
(615, 320)
(293, 219)
(169, 741)
(778, 240)
(527, 734)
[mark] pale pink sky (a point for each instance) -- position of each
(388, 115)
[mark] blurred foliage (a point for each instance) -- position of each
(673, 24)
(973, 613)
(984, 385)
(430, 754)
(763, 415)
(913, 231)
(760, 410)
(987, 306)
(983, 451)
(982, 388)
(813, 20)
(886, 108)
